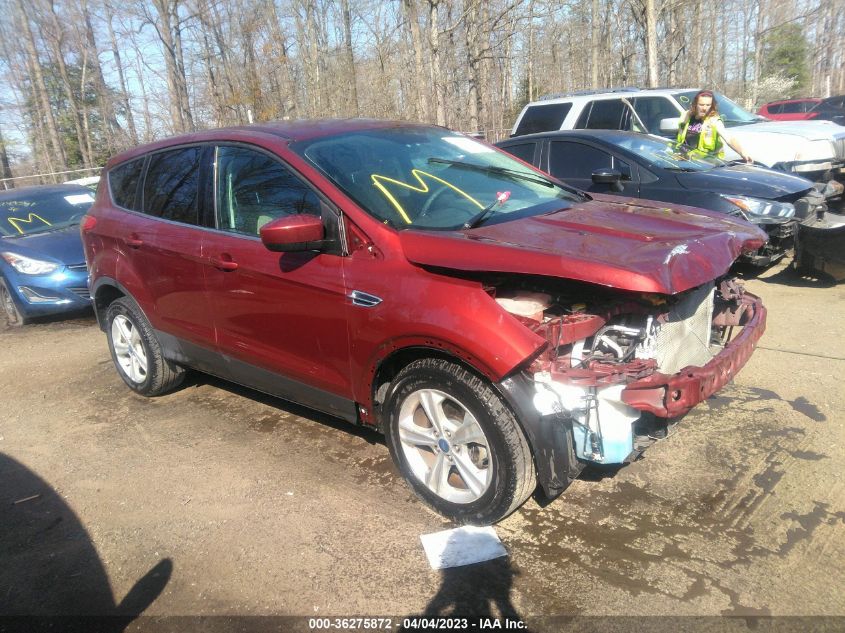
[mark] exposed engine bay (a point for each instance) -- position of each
(599, 346)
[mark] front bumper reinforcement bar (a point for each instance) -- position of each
(671, 396)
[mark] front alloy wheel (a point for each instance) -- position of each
(444, 446)
(457, 443)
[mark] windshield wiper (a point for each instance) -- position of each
(493, 169)
(479, 217)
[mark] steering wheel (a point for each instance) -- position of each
(426, 207)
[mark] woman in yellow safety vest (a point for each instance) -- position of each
(701, 131)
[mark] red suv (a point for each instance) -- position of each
(789, 110)
(499, 327)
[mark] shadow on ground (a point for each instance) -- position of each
(476, 592)
(51, 577)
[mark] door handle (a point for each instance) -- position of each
(224, 263)
(133, 241)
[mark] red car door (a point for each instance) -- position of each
(279, 317)
(161, 246)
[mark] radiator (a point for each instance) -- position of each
(685, 338)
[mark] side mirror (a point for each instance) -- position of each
(606, 176)
(293, 233)
(670, 125)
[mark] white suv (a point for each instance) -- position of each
(814, 149)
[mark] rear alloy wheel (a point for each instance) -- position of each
(457, 444)
(14, 317)
(136, 352)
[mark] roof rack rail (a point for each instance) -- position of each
(581, 93)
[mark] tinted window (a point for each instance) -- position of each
(652, 110)
(123, 181)
(606, 115)
(774, 108)
(253, 188)
(525, 151)
(792, 108)
(171, 188)
(576, 160)
(543, 118)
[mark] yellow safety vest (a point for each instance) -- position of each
(709, 143)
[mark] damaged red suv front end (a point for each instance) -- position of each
(500, 328)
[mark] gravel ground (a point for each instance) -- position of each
(216, 500)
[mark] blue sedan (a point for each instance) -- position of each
(42, 264)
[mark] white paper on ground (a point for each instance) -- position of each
(462, 546)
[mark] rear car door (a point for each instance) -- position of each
(575, 162)
(279, 317)
(528, 151)
(160, 242)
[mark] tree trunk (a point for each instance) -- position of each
(5, 169)
(651, 42)
(413, 19)
(56, 40)
(127, 106)
(170, 35)
(111, 127)
(40, 88)
(350, 57)
(595, 44)
(436, 69)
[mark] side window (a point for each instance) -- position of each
(791, 108)
(576, 160)
(524, 151)
(607, 114)
(652, 110)
(775, 108)
(253, 189)
(543, 118)
(123, 182)
(171, 188)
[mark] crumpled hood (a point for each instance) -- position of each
(745, 180)
(632, 245)
(63, 246)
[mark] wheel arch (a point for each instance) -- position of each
(104, 292)
(549, 440)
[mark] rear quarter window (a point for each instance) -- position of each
(524, 151)
(171, 188)
(123, 183)
(543, 118)
(605, 114)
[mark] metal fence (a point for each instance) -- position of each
(49, 178)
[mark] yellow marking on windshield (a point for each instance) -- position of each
(29, 220)
(423, 188)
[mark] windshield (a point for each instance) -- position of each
(731, 113)
(664, 154)
(31, 212)
(431, 178)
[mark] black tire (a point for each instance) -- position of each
(14, 316)
(512, 476)
(160, 375)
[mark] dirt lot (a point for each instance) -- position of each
(218, 500)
